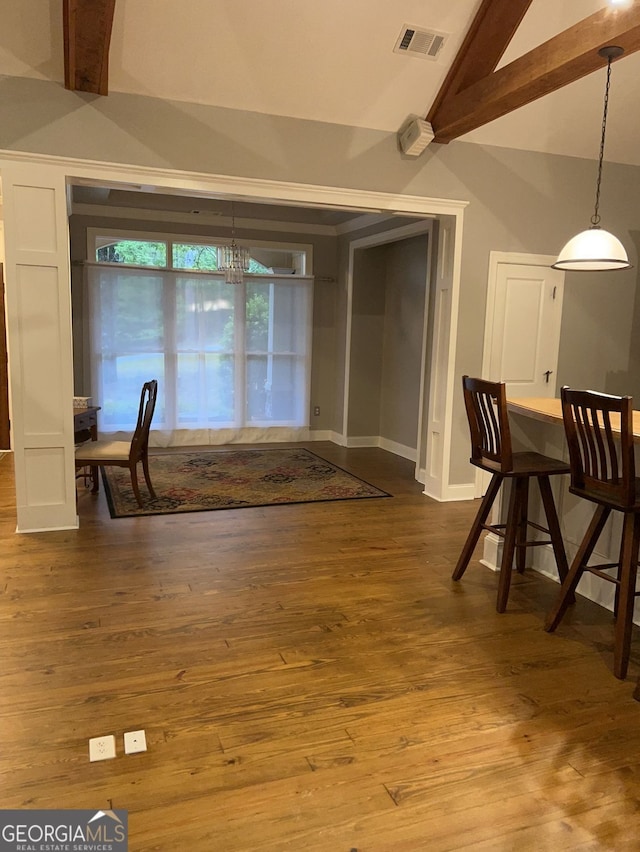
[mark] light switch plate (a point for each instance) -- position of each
(102, 748)
(134, 741)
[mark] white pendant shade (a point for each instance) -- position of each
(593, 249)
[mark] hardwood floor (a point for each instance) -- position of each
(309, 678)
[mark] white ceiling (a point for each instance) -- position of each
(328, 60)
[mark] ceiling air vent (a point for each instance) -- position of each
(418, 42)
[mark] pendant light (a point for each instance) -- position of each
(596, 249)
(233, 259)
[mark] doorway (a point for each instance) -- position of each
(387, 371)
(49, 503)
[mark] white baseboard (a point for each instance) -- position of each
(451, 493)
(28, 531)
(325, 435)
(398, 449)
(492, 552)
(363, 441)
(394, 447)
(590, 586)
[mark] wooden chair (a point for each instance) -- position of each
(122, 453)
(599, 431)
(486, 406)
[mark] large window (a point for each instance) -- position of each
(227, 356)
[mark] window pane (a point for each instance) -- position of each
(129, 344)
(256, 266)
(193, 256)
(205, 257)
(134, 252)
(275, 390)
(204, 314)
(122, 380)
(277, 316)
(288, 400)
(257, 313)
(258, 390)
(136, 317)
(205, 336)
(205, 390)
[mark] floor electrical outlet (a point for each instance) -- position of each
(102, 748)
(134, 741)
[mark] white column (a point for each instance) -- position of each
(38, 297)
(444, 383)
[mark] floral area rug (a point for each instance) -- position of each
(232, 479)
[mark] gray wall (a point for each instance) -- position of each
(518, 201)
(367, 342)
(405, 290)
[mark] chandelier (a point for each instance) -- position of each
(233, 259)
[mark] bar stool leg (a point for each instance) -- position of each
(567, 590)
(477, 526)
(616, 601)
(554, 528)
(519, 488)
(627, 587)
(521, 539)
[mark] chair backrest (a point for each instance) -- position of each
(599, 430)
(140, 440)
(486, 405)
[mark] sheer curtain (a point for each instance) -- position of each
(232, 360)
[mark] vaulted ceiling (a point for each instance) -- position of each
(334, 61)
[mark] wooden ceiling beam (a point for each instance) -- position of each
(87, 35)
(563, 59)
(489, 35)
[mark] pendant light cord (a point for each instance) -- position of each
(595, 219)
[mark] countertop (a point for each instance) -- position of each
(549, 410)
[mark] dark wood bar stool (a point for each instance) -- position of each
(603, 471)
(486, 405)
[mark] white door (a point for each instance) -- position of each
(522, 332)
(522, 328)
